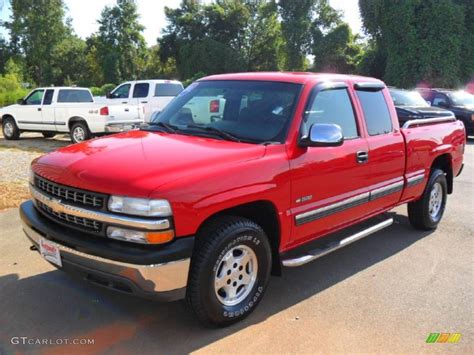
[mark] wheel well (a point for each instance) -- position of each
(5, 116)
(73, 120)
(265, 215)
(443, 162)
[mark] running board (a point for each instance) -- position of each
(317, 253)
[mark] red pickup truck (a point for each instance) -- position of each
(289, 167)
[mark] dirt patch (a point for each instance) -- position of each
(15, 160)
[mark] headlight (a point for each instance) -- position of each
(140, 206)
(150, 237)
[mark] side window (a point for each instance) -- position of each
(121, 92)
(333, 106)
(35, 98)
(74, 96)
(141, 90)
(48, 97)
(440, 100)
(376, 113)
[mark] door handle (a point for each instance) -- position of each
(39, 108)
(126, 110)
(125, 102)
(362, 157)
(144, 102)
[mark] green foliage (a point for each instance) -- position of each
(11, 88)
(225, 36)
(103, 90)
(296, 23)
(36, 29)
(430, 41)
(120, 47)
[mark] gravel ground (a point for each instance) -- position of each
(15, 159)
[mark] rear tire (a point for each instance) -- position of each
(80, 132)
(426, 213)
(10, 129)
(229, 271)
(48, 134)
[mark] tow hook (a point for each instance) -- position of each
(33, 248)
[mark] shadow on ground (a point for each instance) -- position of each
(36, 142)
(53, 305)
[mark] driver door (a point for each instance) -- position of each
(29, 116)
(329, 184)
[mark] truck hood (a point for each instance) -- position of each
(138, 162)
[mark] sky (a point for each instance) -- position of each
(84, 14)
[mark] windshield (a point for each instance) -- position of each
(408, 98)
(461, 98)
(249, 111)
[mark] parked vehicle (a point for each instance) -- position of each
(410, 105)
(55, 110)
(145, 96)
(461, 103)
(208, 211)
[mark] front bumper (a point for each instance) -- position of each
(157, 272)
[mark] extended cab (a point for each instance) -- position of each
(297, 165)
(71, 110)
(144, 96)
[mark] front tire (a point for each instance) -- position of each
(10, 129)
(229, 272)
(80, 132)
(426, 213)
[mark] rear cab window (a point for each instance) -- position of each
(376, 113)
(168, 89)
(74, 96)
(48, 97)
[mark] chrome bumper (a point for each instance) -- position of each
(169, 279)
(115, 127)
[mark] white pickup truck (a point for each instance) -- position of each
(65, 109)
(144, 96)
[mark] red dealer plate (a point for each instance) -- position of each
(50, 252)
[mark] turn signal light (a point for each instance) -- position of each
(141, 237)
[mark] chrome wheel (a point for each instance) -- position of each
(436, 200)
(8, 129)
(236, 275)
(78, 134)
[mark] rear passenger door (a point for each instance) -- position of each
(386, 155)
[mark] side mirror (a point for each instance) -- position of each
(442, 104)
(108, 95)
(322, 135)
(20, 101)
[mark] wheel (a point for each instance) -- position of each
(426, 213)
(48, 134)
(10, 129)
(80, 132)
(229, 271)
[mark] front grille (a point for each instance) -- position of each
(79, 222)
(78, 197)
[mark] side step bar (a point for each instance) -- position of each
(317, 253)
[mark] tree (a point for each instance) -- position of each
(296, 23)
(337, 51)
(119, 44)
(36, 28)
(429, 40)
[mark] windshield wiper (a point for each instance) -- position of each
(219, 132)
(168, 128)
